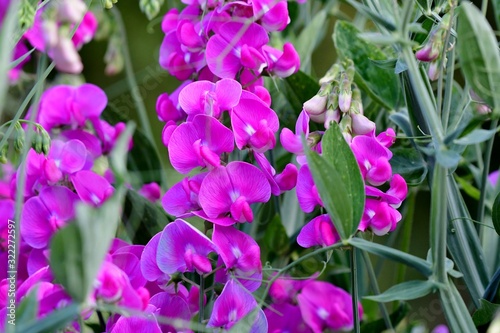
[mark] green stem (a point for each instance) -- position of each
(407, 224)
(132, 82)
(201, 298)
(448, 93)
(7, 49)
(486, 170)
(373, 282)
(354, 284)
(438, 223)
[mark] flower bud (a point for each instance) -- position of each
(331, 75)
(46, 142)
(316, 105)
(361, 125)
(350, 70)
(3, 154)
(428, 53)
(36, 143)
(345, 94)
(433, 71)
(332, 115)
(108, 4)
(18, 137)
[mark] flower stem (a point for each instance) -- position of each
(354, 284)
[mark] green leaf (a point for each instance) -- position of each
(468, 188)
(485, 313)
(495, 214)
(476, 136)
(419, 264)
(381, 84)
(142, 218)
(405, 291)
(53, 322)
(309, 39)
(408, 162)
(275, 238)
(337, 177)
(28, 308)
(477, 49)
(291, 213)
(385, 21)
(337, 152)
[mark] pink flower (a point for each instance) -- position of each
(183, 248)
(232, 189)
(320, 231)
(373, 159)
(307, 192)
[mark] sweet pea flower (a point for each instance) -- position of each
(182, 198)
(307, 192)
(43, 215)
(234, 304)
(254, 124)
(284, 181)
(324, 306)
(379, 217)
(183, 248)
(373, 159)
(232, 189)
(320, 231)
(174, 307)
(204, 97)
(237, 45)
(199, 143)
(151, 191)
(72, 106)
(292, 142)
(92, 188)
(149, 265)
(286, 317)
(146, 324)
(240, 254)
(282, 63)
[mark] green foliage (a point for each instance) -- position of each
(479, 56)
(485, 313)
(380, 83)
(55, 321)
(405, 291)
(495, 214)
(339, 182)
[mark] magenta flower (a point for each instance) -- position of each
(379, 217)
(199, 143)
(183, 248)
(73, 106)
(286, 317)
(273, 15)
(373, 159)
(232, 189)
(254, 124)
(307, 192)
(167, 106)
(205, 97)
(324, 306)
(46, 213)
(240, 254)
(320, 231)
(233, 304)
(149, 265)
(151, 191)
(284, 181)
(146, 324)
(282, 63)
(69, 157)
(236, 46)
(182, 198)
(173, 307)
(91, 187)
(292, 142)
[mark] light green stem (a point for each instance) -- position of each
(354, 285)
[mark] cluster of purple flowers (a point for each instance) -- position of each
(221, 51)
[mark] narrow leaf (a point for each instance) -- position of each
(495, 214)
(405, 291)
(478, 53)
(310, 38)
(419, 264)
(55, 321)
(476, 136)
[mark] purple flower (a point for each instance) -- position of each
(286, 317)
(199, 143)
(284, 181)
(146, 324)
(373, 159)
(204, 97)
(183, 248)
(149, 265)
(182, 198)
(240, 254)
(91, 187)
(151, 191)
(324, 306)
(69, 157)
(237, 45)
(232, 189)
(307, 192)
(254, 124)
(292, 142)
(73, 106)
(282, 63)
(320, 231)
(46, 213)
(233, 304)
(173, 307)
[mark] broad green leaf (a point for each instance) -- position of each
(309, 39)
(381, 84)
(142, 218)
(53, 322)
(408, 162)
(476, 136)
(405, 291)
(419, 264)
(337, 177)
(338, 153)
(485, 313)
(495, 214)
(66, 262)
(477, 49)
